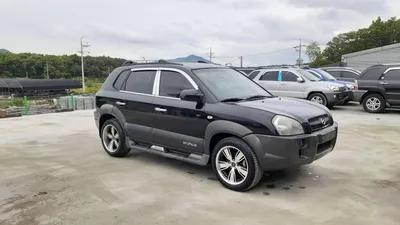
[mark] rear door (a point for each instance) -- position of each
(135, 103)
(269, 81)
(289, 86)
(390, 82)
(178, 125)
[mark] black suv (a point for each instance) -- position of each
(378, 87)
(205, 113)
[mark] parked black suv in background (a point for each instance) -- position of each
(205, 113)
(343, 73)
(378, 87)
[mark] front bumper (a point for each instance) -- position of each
(358, 95)
(334, 98)
(96, 118)
(280, 152)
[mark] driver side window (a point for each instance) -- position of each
(172, 83)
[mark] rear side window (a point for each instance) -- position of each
(334, 73)
(121, 79)
(141, 82)
(289, 76)
(393, 75)
(347, 74)
(272, 76)
(172, 83)
(253, 74)
(371, 74)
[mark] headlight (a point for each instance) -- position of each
(287, 126)
(333, 88)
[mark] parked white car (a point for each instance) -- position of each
(298, 83)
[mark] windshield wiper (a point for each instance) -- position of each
(232, 100)
(256, 97)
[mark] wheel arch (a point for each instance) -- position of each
(222, 129)
(370, 93)
(107, 112)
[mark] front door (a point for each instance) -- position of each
(390, 82)
(178, 125)
(289, 86)
(135, 103)
(269, 81)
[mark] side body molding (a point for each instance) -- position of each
(223, 126)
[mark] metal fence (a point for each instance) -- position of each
(40, 104)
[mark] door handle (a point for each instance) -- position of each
(120, 103)
(383, 83)
(160, 109)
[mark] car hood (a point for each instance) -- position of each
(301, 110)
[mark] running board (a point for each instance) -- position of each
(197, 159)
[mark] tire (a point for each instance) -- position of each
(370, 103)
(249, 160)
(113, 128)
(318, 98)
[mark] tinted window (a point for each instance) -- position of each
(273, 75)
(347, 74)
(227, 83)
(393, 75)
(308, 75)
(253, 74)
(141, 82)
(371, 73)
(121, 79)
(315, 74)
(172, 83)
(289, 76)
(334, 73)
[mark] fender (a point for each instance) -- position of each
(223, 126)
(113, 111)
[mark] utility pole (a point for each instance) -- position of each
(298, 48)
(241, 61)
(211, 54)
(47, 70)
(83, 46)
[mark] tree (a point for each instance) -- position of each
(313, 51)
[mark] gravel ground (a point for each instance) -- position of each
(53, 170)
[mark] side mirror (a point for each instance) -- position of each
(192, 95)
(300, 80)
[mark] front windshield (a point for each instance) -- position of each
(309, 76)
(227, 83)
(326, 74)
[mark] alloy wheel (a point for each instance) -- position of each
(373, 104)
(111, 138)
(231, 165)
(317, 99)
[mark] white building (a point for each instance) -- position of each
(363, 59)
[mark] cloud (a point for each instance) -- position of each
(166, 29)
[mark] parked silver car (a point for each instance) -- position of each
(298, 83)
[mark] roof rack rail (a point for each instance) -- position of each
(201, 61)
(128, 63)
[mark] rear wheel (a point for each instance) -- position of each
(236, 165)
(318, 98)
(374, 103)
(113, 139)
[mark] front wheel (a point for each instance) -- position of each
(236, 165)
(374, 103)
(318, 98)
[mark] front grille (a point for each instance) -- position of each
(320, 122)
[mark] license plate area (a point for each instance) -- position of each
(327, 137)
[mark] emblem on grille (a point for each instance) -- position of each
(323, 121)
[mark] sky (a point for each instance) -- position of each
(263, 32)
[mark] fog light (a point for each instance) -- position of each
(334, 96)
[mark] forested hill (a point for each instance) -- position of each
(65, 66)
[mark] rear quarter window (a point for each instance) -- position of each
(121, 79)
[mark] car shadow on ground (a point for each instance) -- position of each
(296, 178)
